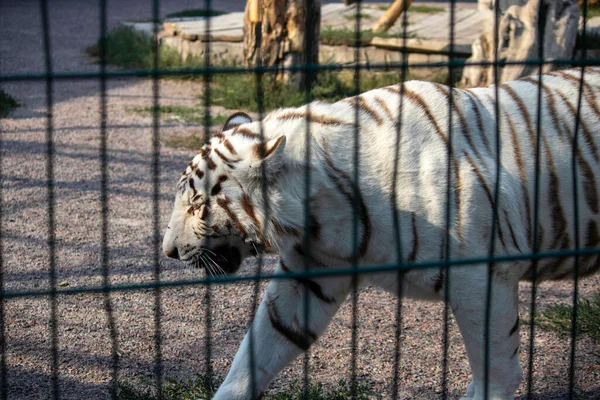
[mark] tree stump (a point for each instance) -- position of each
(274, 35)
(520, 31)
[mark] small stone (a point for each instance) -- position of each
(63, 284)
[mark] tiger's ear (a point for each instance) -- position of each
(236, 119)
(264, 161)
(271, 149)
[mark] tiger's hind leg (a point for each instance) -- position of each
(468, 301)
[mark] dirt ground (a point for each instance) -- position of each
(83, 336)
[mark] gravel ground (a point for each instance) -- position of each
(83, 335)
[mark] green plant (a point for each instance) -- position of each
(342, 391)
(355, 16)
(425, 9)
(196, 12)
(7, 103)
(559, 318)
(241, 91)
(201, 388)
(129, 48)
(593, 8)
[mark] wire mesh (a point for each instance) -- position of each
(310, 70)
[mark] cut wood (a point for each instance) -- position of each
(388, 19)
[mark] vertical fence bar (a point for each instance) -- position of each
(395, 216)
(309, 78)
(264, 190)
(207, 124)
(536, 201)
(156, 239)
(576, 210)
(3, 370)
(446, 243)
(105, 256)
(50, 199)
(355, 199)
(492, 247)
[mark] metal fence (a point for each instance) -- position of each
(106, 289)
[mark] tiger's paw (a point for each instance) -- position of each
(475, 391)
(470, 392)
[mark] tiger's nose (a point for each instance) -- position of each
(172, 253)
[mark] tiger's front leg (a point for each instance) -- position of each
(279, 331)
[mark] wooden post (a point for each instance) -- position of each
(388, 19)
(274, 34)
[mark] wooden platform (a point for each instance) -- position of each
(428, 33)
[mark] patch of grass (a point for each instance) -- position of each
(352, 17)
(239, 91)
(559, 318)
(202, 388)
(7, 103)
(131, 49)
(188, 114)
(593, 8)
(425, 9)
(235, 91)
(347, 36)
(196, 12)
(342, 391)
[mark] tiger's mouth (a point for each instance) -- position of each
(228, 258)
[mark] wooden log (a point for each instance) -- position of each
(418, 45)
(388, 19)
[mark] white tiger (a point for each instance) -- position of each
(219, 211)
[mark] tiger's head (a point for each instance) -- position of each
(218, 214)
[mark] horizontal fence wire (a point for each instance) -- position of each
(309, 69)
(161, 72)
(371, 269)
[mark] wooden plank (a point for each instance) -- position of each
(431, 24)
(419, 45)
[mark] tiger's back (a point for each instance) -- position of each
(418, 144)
